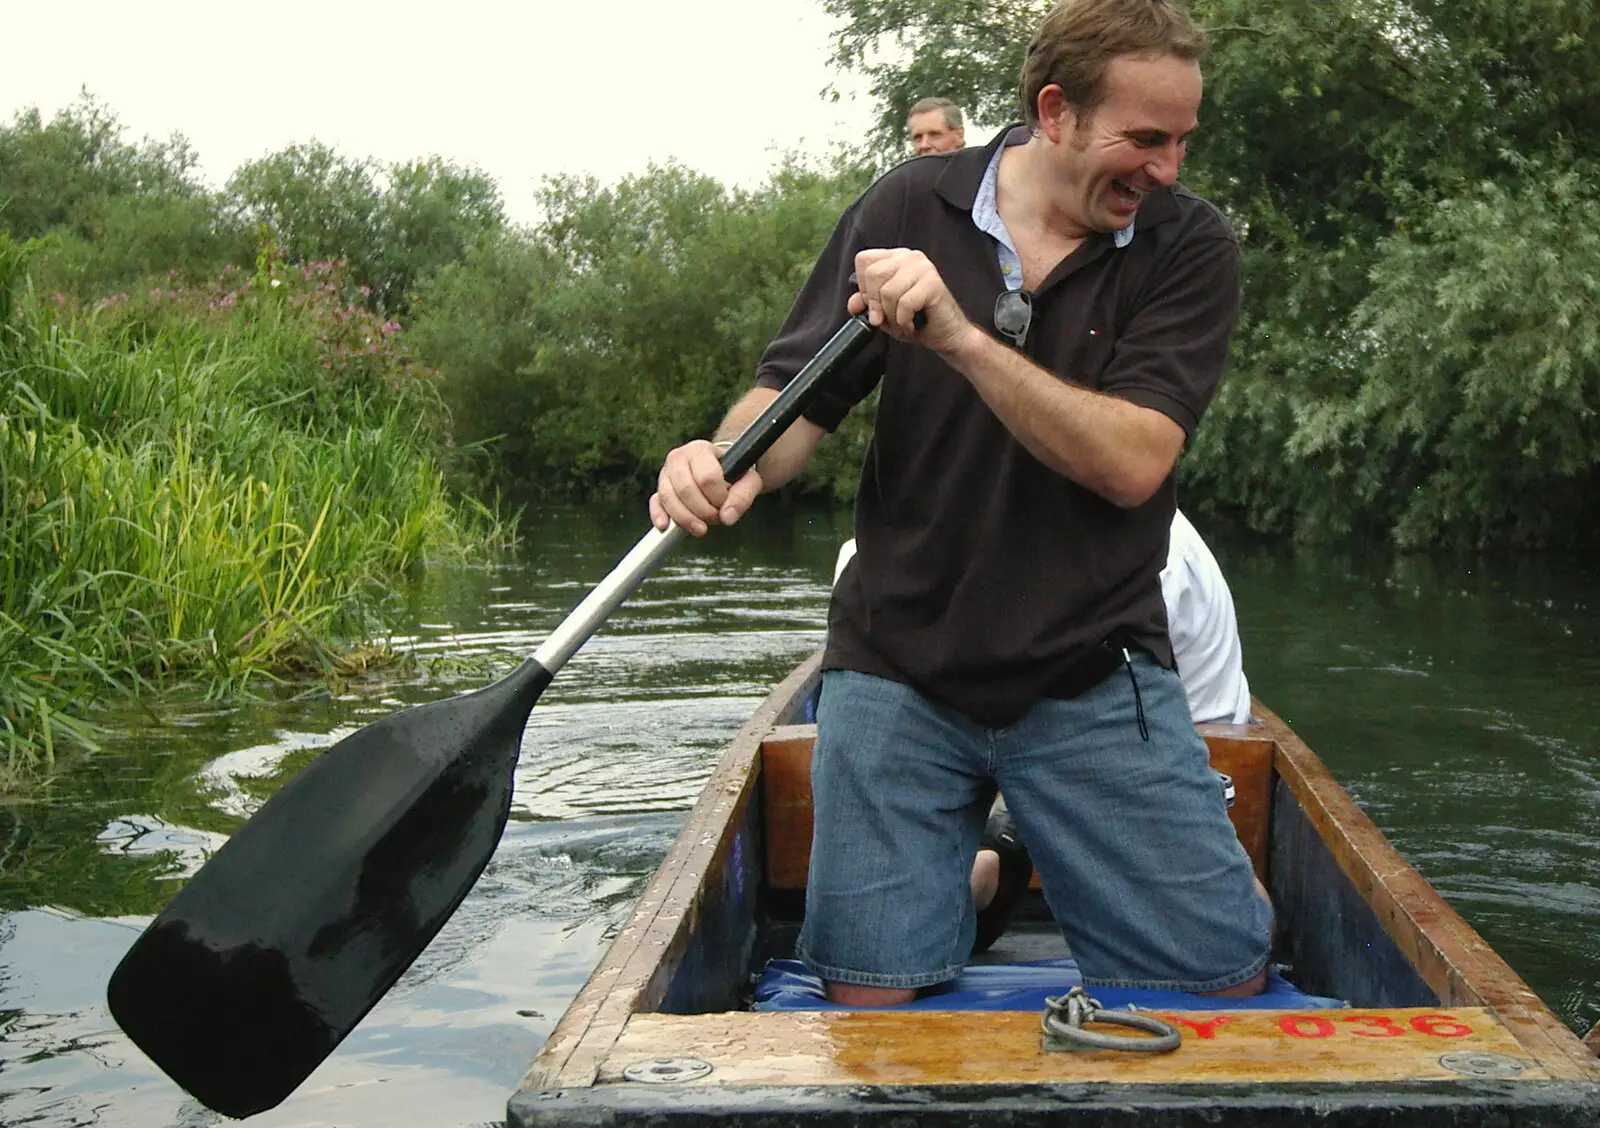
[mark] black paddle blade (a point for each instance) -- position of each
(291, 932)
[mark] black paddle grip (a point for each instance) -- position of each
(843, 347)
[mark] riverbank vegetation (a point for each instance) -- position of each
(232, 419)
(627, 322)
(211, 485)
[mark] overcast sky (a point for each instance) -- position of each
(517, 89)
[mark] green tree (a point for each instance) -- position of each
(1468, 412)
(967, 50)
(318, 204)
(626, 322)
(107, 212)
(479, 320)
(61, 173)
(392, 226)
(430, 214)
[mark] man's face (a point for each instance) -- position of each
(930, 134)
(1132, 143)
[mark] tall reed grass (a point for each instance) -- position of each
(211, 486)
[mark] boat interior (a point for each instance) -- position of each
(1270, 825)
(1426, 1001)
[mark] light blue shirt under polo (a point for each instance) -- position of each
(986, 214)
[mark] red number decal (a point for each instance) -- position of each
(1202, 1030)
(1293, 1024)
(1382, 1027)
(1440, 1026)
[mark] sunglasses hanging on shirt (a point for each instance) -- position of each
(1013, 314)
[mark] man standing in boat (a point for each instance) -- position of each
(934, 125)
(1055, 312)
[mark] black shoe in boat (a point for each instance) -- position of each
(1000, 835)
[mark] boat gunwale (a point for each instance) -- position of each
(1467, 1103)
(1457, 963)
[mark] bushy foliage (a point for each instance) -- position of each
(106, 213)
(109, 214)
(966, 50)
(322, 356)
(188, 492)
(625, 323)
(1465, 407)
(391, 226)
(61, 173)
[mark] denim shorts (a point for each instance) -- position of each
(1138, 861)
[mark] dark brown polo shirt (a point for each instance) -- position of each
(983, 578)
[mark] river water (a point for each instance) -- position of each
(1457, 700)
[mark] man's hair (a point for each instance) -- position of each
(1076, 42)
(952, 112)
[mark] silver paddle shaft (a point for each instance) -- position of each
(643, 559)
(652, 549)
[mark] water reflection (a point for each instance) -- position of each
(1456, 701)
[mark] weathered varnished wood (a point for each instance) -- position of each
(1246, 753)
(945, 1047)
(786, 800)
(1447, 952)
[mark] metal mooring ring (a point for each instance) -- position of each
(1069, 1034)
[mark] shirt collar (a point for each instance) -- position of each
(971, 186)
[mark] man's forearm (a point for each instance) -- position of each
(786, 457)
(1120, 450)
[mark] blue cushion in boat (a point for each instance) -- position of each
(787, 985)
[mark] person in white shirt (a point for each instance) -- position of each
(1204, 630)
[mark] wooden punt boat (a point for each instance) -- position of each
(1438, 1031)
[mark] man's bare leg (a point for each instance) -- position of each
(859, 995)
(985, 878)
